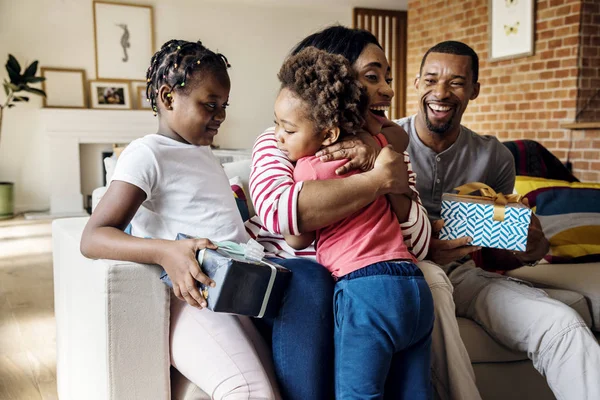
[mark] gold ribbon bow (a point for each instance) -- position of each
(500, 200)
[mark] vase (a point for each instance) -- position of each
(6, 200)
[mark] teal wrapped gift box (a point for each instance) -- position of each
(475, 218)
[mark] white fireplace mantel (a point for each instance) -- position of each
(66, 129)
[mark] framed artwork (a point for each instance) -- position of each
(64, 87)
(110, 94)
(124, 40)
(143, 103)
(511, 28)
(138, 92)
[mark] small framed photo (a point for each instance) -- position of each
(124, 40)
(110, 94)
(64, 87)
(511, 29)
(143, 103)
(138, 92)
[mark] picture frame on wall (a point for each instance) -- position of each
(110, 94)
(123, 39)
(143, 103)
(64, 87)
(138, 92)
(511, 29)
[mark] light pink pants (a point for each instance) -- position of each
(222, 354)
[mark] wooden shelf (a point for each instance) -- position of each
(581, 125)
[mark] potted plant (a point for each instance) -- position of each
(13, 87)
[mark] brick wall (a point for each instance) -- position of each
(523, 98)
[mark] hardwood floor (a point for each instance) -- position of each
(27, 328)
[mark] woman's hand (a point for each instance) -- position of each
(361, 155)
(178, 258)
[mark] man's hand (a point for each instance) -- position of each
(443, 252)
(360, 154)
(392, 172)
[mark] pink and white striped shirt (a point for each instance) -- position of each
(274, 195)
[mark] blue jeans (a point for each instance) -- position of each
(383, 321)
(301, 337)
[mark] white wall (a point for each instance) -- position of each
(255, 37)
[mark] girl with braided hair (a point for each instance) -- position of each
(170, 182)
(383, 308)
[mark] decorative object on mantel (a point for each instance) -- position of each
(113, 95)
(18, 83)
(59, 79)
(511, 29)
(124, 40)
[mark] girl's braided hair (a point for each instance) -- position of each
(174, 63)
(328, 84)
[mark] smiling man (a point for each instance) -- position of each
(445, 155)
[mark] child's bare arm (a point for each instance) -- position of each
(301, 241)
(103, 237)
(395, 135)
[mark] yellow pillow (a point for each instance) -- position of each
(526, 184)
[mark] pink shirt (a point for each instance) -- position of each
(274, 195)
(368, 236)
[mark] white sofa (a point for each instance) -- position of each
(112, 326)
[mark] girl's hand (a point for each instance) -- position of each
(361, 155)
(178, 258)
(391, 169)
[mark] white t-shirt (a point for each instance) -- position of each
(186, 189)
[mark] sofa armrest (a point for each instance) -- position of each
(112, 322)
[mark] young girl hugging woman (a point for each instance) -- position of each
(168, 183)
(383, 309)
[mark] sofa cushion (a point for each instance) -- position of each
(241, 169)
(241, 199)
(570, 216)
(580, 278)
(183, 389)
(482, 348)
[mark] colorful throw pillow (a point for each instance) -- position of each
(569, 214)
(241, 199)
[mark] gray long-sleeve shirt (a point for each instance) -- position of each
(472, 158)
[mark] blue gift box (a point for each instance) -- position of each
(243, 286)
(475, 218)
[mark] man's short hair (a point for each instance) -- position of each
(457, 48)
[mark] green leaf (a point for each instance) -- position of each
(34, 90)
(6, 88)
(31, 70)
(20, 98)
(11, 105)
(13, 87)
(14, 69)
(14, 64)
(34, 79)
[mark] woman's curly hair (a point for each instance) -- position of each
(328, 85)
